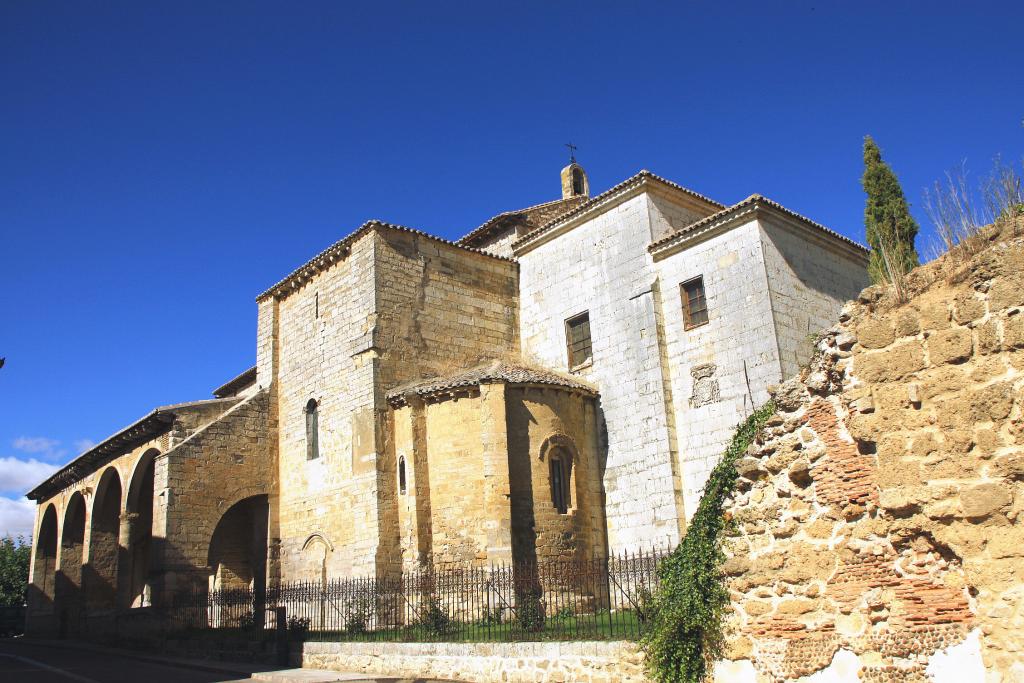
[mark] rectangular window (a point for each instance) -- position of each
(695, 304)
(577, 333)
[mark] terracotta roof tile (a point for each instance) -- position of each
(532, 217)
(492, 371)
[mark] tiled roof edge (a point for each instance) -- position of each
(628, 183)
(489, 223)
(328, 256)
(241, 380)
(753, 200)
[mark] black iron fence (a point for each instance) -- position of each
(603, 598)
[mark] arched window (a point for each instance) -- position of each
(560, 473)
(312, 430)
(401, 474)
(577, 182)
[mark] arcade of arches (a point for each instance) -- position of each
(112, 540)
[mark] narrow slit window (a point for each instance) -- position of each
(577, 332)
(560, 472)
(316, 305)
(695, 303)
(312, 430)
(401, 474)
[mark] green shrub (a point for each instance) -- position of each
(685, 633)
(357, 616)
(435, 619)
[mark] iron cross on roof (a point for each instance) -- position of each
(572, 152)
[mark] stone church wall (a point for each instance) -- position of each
(199, 480)
(441, 308)
(398, 307)
(477, 481)
(734, 355)
(602, 266)
(321, 347)
(539, 421)
(666, 216)
(809, 279)
(458, 516)
(878, 523)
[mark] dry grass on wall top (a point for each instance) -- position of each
(687, 611)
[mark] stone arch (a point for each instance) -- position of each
(237, 553)
(101, 571)
(237, 557)
(68, 589)
(44, 565)
(139, 533)
(315, 550)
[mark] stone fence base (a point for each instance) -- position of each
(586, 662)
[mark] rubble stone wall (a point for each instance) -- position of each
(878, 522)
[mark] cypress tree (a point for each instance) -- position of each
(887, 219)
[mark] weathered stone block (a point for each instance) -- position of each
(1006, 292)
(993, 402)
(894, 363)
(908, 322)
(875, 333)
(981, 501)
(967, 308)
(949, 346)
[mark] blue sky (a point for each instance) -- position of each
(161, 163)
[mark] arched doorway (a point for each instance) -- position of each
(44, 567)
(237, 560)
(69, 578)
(139, 517)
(101, 571)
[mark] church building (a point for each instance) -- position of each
(556, 384)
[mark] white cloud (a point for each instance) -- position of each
(82, 445)
(18, 476)
(35, 444)
(41, 445)
(17, 517)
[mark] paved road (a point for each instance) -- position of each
(36, 663)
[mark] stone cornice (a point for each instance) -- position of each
(744, 211)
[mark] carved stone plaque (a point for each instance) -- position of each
(705, 386)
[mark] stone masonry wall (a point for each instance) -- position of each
(721, 370)
(539, 421)
(580, 662)
(199, 480)
(440, 309)
(396, 308)
(809, 279)
(322, 342)
(602, 266)
(879, 522)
